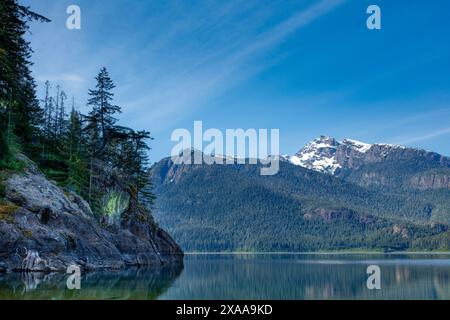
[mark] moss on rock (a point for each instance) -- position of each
(7, 210)
(115, 203)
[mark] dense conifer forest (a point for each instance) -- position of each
(81, 152)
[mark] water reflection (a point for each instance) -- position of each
(311, 277)
(250, 277)
(135, 284)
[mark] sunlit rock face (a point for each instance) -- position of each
(114, 204)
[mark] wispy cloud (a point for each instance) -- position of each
(67, 78)
(393, 124)
(220, 68)
(173, 61)
(425, 136)
(177, 58)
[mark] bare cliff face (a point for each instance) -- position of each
(431, 180)
(43, 228)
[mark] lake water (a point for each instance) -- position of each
(246, 276)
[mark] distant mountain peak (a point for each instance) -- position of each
(328, 155)
(318, 155)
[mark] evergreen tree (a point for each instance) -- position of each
(49, 126)
(54, 156)
(20, 114)
(77, 167)
(45, 120)
(139, 163)
(102, 114)
(62, 114)
(132, 160)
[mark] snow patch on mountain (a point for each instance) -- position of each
(318, 155)
(326, 154)
(360, 146)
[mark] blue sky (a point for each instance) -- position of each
(306, 67)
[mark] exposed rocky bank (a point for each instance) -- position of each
(45, 228)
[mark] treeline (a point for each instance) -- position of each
(88, 153)
(85, 153)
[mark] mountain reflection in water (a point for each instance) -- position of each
(251, 276)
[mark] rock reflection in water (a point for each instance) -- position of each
(133, 283)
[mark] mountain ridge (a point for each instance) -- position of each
(329, 155)
(233, 208)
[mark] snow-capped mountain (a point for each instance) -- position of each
(319, 155)
(372, 188)
(328, 155)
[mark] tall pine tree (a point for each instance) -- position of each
(77, 177)
(20, 114)
(103, 113)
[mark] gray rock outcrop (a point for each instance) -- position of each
(44, 228)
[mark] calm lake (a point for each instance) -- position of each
(248, 276)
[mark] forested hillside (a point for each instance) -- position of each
(232, 207)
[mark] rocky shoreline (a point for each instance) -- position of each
(44, 228)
